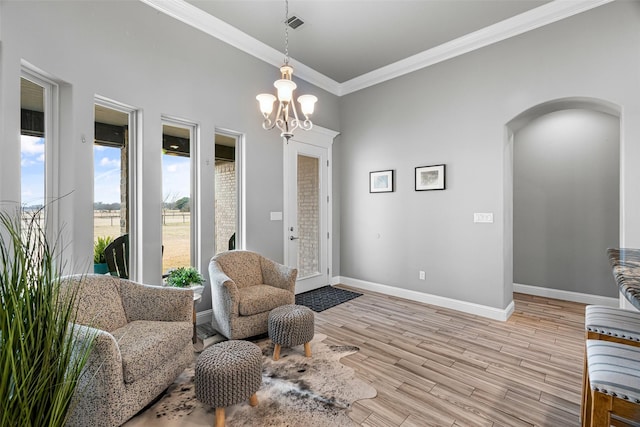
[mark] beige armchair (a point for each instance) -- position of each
(143, 342)
(245, 287)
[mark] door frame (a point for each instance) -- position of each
(323, 138)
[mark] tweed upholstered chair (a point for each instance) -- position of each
(143, 343)
(245, 287)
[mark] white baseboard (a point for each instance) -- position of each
(465, 307)
(204, 317)
(566, 295)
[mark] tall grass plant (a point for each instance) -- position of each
(41, 357)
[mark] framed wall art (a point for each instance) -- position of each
(381, 181)
(430, 178)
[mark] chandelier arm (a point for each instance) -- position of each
(306, 125)
(283, 114)
(267, 124)
(295, 122)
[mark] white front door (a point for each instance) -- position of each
(307, 238)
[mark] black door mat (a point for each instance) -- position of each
(326, 297)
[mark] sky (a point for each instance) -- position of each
(175, 173)
(106, 183)
(175, 178)
(32, 169)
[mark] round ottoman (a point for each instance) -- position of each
(228, 373)
(291, 325)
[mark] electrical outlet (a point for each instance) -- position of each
(423, 276)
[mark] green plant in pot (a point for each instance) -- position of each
(99, 260)
(42, 350)
(186, 277)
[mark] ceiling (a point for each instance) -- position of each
(348, 45)
(345, 39)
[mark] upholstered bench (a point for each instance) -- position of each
(614, 379)
(291, 325)
(228, 373)
(607, 324)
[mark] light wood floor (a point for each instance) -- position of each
(434, 366)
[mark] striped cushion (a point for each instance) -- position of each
(615, 322)
(614, 369)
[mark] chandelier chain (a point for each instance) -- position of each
(286, 32)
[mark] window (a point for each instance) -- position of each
(114, 196)
(226, 192)
(32, 145)
(110, 173)
(38, 152)
(177, 204)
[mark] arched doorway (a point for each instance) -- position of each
(563, 168)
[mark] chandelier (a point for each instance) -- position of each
(285, 87)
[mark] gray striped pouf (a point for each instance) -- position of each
(228, 373)
(291, 325)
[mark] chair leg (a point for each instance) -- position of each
(307, 349)
(253, 400)
(587, 401)
(585, 413)
(219, 417)
(601, 405)
(276, 352)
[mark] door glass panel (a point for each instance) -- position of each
(308, 215)
(176, 194)
(32, 145)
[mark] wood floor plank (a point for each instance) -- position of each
(436, 366)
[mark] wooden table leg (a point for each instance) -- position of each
(253, 400)
(219, 417)
(276, 352)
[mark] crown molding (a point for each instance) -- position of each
(535, 18)
(209, 24)
(511, 27)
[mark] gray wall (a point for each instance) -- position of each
(456, 113)
(129, 52)
(566, 201)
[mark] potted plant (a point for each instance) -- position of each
(99, 261)
(42, 349)
(186, 277)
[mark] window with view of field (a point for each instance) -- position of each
(110, 184)
(110, 168)
(176, 194)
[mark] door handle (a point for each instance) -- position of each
(293, 238)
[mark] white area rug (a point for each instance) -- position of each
(296, 391)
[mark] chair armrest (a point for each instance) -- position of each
(223, 290)
(102, 377)
(278, 275)
(146, 302)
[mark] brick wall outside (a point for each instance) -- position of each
(225, 204)
(308, 215)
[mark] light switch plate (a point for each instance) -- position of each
(276, 216)
(486, 217)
